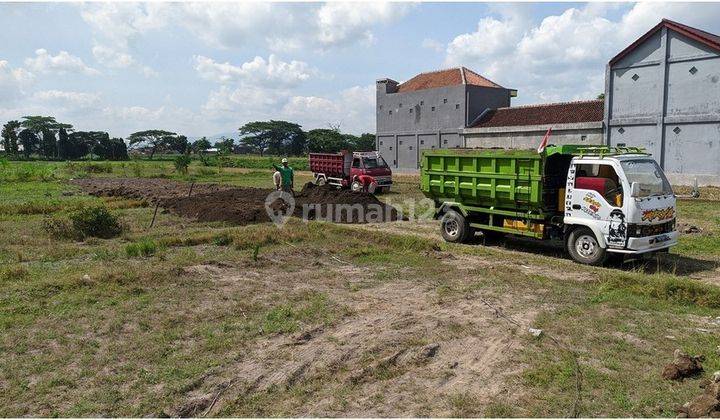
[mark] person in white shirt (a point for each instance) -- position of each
(277, 179)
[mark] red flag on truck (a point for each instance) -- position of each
(544, 141)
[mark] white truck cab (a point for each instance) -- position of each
(619, 203)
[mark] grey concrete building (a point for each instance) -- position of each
(523, 127)
(429, 111)
(663, 93)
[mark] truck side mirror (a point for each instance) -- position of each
(634, 189)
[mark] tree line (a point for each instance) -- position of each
(50, 139)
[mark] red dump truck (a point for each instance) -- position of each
(359, 171)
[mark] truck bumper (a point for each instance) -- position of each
(649, 243)
(383, 181)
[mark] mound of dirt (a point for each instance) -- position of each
(706, 404)
(682, 366)
(213, 203)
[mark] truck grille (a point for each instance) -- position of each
(639, 231)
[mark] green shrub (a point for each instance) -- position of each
(181, 163)
(145, 247)
(96, 221)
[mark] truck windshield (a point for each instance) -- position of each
(648, 174)
(372, 162)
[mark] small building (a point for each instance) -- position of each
(662, 92)
(429, 111)
(523, 127)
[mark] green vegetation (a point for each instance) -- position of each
(144, 321)
(145, 247)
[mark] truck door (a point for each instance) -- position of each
(595, 196)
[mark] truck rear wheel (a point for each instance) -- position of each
(584, 247)
(454, 226)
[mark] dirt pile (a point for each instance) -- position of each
(682, 366)
(706, 404)
(213, 203)
(328, 203)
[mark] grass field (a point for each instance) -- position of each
(317, 319)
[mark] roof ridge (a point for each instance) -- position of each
(436, 71)
(551, 104)
(481, 76)
(702, 33)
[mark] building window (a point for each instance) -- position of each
(380, 107)
(457, 106)
(410, 110)
(400, 142)
(390, 147)
(422, 103)
(422, 141)
(390, 112)
(583, 138)
(677, 130)
(380, 142)
(621, 130)
(445, 100)
(693, 70)
(445, 141)
(400, 106)
(409, 147)
(432, 108)
(635, 77)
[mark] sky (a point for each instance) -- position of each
(202, 69)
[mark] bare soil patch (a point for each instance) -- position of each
(381, 359)
(242, 206)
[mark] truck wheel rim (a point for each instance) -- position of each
(451, 227)
(587, 246)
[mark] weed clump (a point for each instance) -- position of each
(145, 247)
(96, 222)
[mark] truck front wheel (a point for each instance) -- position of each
(455, 228)
(584, 247)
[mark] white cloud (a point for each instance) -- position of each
(282, 27)
(62, 63)
(74, 100)
(340, 23)
(272, 72)
(12, 82)
(353, 109)
(118, 59)
(563, 56)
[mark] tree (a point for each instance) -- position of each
(79, 144)
(225, 145)
(106, 148)
(48, 144)
(179, 144)
(154, 139)
(364, 143)
(47, 126)
(601, 96)
(325, 140)
(10, 137)
(201, 145)
(277, 137)
(63, 144)
(29, 142)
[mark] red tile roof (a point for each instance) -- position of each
(442, 78)
(711, 40)
(543, 114)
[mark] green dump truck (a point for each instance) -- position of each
(595, 199)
